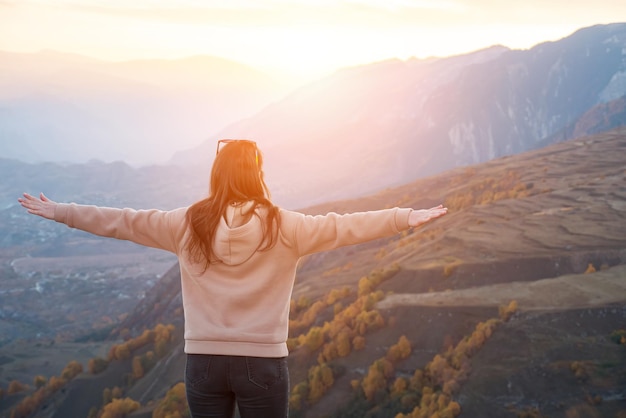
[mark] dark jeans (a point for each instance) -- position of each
(259, 386)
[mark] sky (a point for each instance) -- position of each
(303, 39)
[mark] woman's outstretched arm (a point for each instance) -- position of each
(152, 228)
(309, 234)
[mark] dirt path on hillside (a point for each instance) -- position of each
(564, 292)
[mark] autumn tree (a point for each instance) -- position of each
(71, 370)
(489, 190)
(399, 351)
(303, 302)
(335, 295)
(116, 392)
(55, 383)
(328, 353)
(365, 286)
(174, 405)
(120, 408)
(320, 380)
(23, 409)
(29, 404)
(375, 381)
(314, 338)
(337, 307)
(399, 387)
(343, 343)
(507, 311)
(358, 343)
(119, 352)
(292, 344)
(368, 321)
(15, 386)
(137, 368)
(162, 338)
(299, 393)
(97, 365)
(39, 381)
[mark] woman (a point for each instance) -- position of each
(238, 255)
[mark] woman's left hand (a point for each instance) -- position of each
(41, 206)
(421, 216)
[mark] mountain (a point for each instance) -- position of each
(600, 118)
(360, 129)
(70, 108)
(370, 127)
(543, 228)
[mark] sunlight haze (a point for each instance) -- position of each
(300, 40)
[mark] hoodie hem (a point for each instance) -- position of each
(236, 348)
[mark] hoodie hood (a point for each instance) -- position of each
(239, 234)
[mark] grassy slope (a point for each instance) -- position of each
(573, 215)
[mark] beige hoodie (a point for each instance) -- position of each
(240, 304)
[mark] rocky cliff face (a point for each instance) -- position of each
(520, 99)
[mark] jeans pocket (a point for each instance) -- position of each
(265, 372)
(197, 369)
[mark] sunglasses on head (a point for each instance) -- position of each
(229, 141)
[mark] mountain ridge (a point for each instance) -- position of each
(400, 120)
(395, 120)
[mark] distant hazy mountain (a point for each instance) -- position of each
(384, 124)
(65, 107)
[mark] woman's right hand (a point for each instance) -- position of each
(421, 216)
(41, 206)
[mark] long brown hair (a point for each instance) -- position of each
(236, 177)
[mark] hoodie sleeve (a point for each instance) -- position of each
(152, 228)
(310, 234)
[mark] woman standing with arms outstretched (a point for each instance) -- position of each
(238, 255)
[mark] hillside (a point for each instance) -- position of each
(531, 228)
